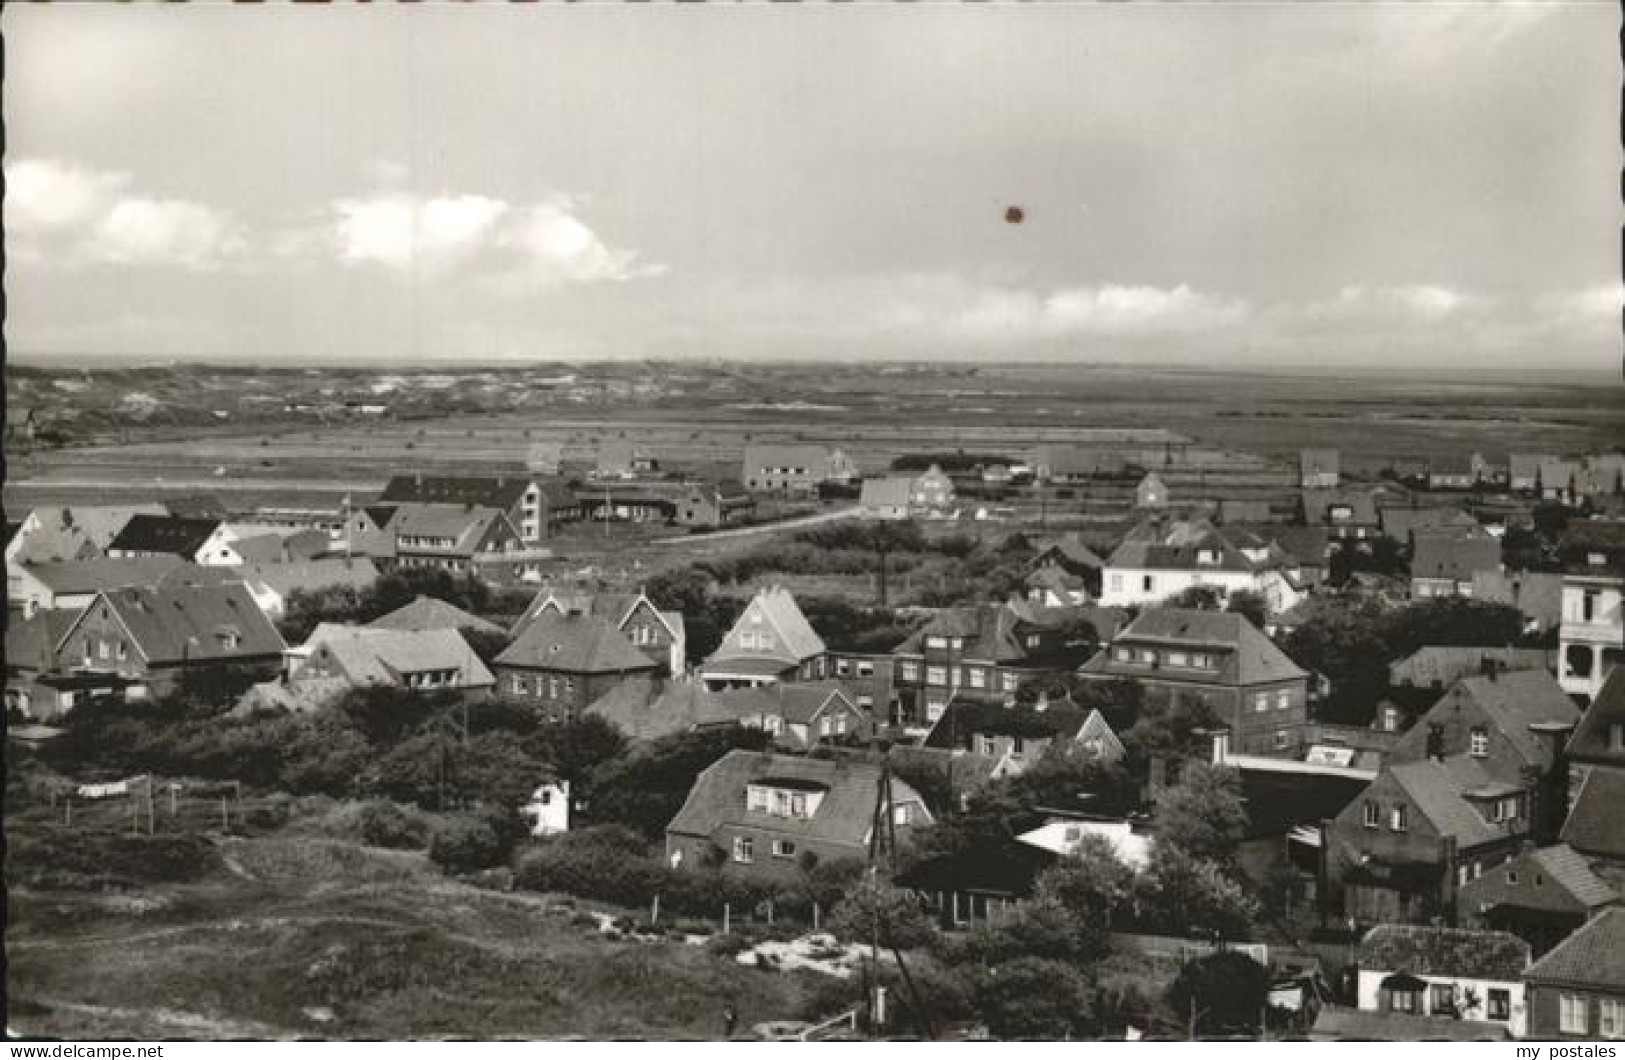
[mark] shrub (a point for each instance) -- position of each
(464, 844)
(385, 824)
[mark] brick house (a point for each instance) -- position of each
(1447, 564)
(562, 662)
(1542, 895)
(1218, 658)
(661, 635)
(461, 539)
(151, 636)
(1578, 989)
(768, 816)
(534, 505)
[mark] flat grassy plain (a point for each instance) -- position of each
(1236, 423)
(279, 938)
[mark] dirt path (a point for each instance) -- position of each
(765, 528)
(171, 1021)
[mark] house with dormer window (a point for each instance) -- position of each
(661, 635)
(771, 641)
(772, 816)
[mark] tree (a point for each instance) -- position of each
(1182, 895)
(1203, 815)
(1197, 598)
(1030, 999)
(578, 748)
(1094, 885)
(645, 790)
(876, 910)
(1225, 993)
(1249, 605)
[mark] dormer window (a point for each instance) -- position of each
(1207, 557)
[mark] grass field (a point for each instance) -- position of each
(301, 937)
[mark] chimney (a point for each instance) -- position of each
(1549, 794)
(1435, 742)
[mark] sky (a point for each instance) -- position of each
(1374, 185)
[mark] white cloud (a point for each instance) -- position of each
(70, 215)
(512, 248)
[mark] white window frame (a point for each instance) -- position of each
(1610, 1018)
(783, 848)
(1479, 742)
(744, 850)
(1372, 814)
(1399, 818)
(1573, 1014)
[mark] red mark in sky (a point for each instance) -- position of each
(1014, 215)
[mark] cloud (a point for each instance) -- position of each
(71, 215)
(512, 248)
(1362, 305)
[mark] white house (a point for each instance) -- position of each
(1435, 971)
(549, 808)
(1063, 834)
(1592, 633)
(1158, 560)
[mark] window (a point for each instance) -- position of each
(744, 850)
(1398, 819)
(1178, 658)
(747, 640)
(840, 724)
(903, 814)
(1009, 681)
(756, 799)
(989, 747)
(783, 848)
(552, 687)
(1512, 878)
(517, 685)
(1148, 583)
(103, 649)
(911, 671)
(1032, 640)
(978, 677)
(1479, 743)
(1018, 746)
(938, 643)
(936, 675)
(1117, 583)
(1124, 654)
(1261, 701)
(1408, 1001)
(764, 642)
(1616, 737)
(825, 726)
(1390, 719)
(1611, 1019)
(1442, 999)
(866, 669)
(842, 667)
(1373, 815)
(122, 652)
(1500, 1004)
(1283, 699)
(933, 709)
(1283, 739)
(1574, 1014)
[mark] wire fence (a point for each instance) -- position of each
(142, 804)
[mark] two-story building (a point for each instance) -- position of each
(1318, 468)
(771, 816)
(1542, 895)
(661, 635)
(1217, 658)
(1159, 559)
(534, 505)
(1446, 564)
(561, 662)
(1591, 635)
(149, 636)
(460, 539)
(797, 470)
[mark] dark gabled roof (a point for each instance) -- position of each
(1003, 867)
(1514, 701)
(1305, 545)
(844, 816)
(31, 642)
(1591, 740)
(1402, 521)
(1357, 1025)
(164, 534)
(647, 707)
(1458, 953)
(1593, 826)
(483, 491)
(1593, 956)
(1439, 791)
(1278, 800)
(1554, 878)
(1453, 557)
(93, 575)
(426, 612)
(1071, 551)
(283, 548)
(989, 632)
(1250, 658)
(797, 702)
(964, 719)
(1447, 664)
(179, 623)
(575, 643)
